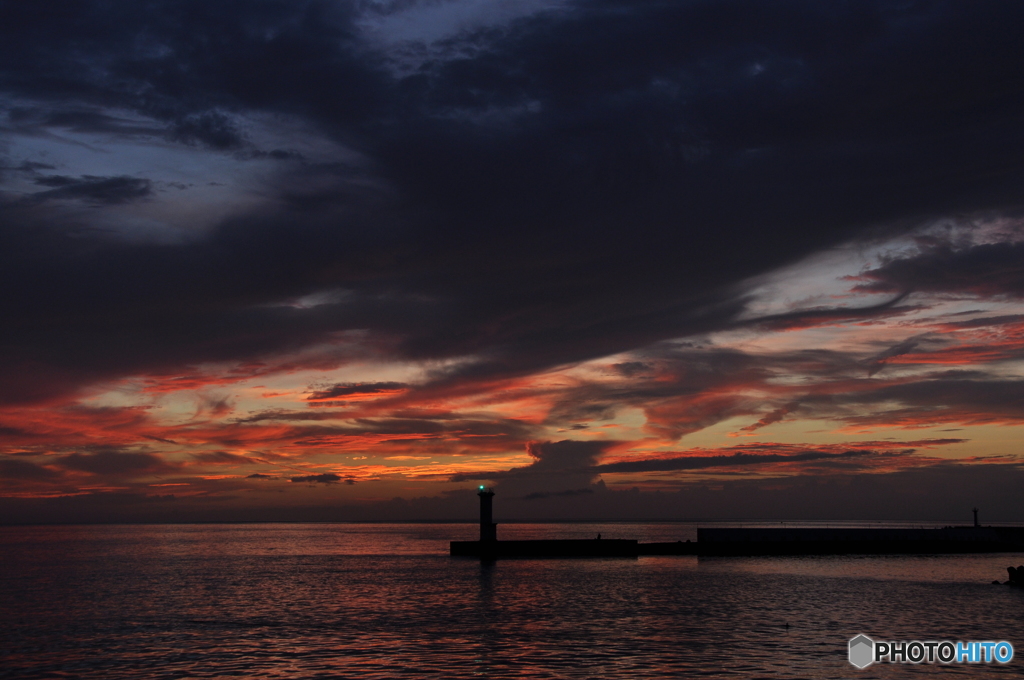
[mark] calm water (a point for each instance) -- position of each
(376, 601)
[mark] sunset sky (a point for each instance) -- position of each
(301, 260)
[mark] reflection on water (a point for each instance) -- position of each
(340, 600)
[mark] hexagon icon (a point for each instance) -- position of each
(862, 651)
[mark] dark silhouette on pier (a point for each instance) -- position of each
(1016, 577)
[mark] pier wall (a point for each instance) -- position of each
(817, 541)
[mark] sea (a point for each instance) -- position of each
(387, 601)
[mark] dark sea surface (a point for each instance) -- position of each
(386, 600)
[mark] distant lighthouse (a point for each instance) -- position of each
(488, 529)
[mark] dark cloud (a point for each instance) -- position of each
(689, 389)
(558, 467)
(211, 128)
(876, 363)
(538, 495)
(216, 406)
(565, 455)
(273, 154)
(29, 166)
(37, 120)
(990, 269)
(115, 463)
(25, 168)
(24, 471)
(630, 369)
(773, 416)
(672, 393)
(95, 190)
(355, 389)
(157, 439)
(260, 475)
(927, 402)
(980, 322)
(703, 462)
(222, 458)
(580, 459)
(664, 152)
(180, 59)
(814, 317)
(443, 428)
(325, 478)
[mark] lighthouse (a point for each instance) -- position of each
(488, 529)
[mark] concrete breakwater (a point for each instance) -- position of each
(816, 541)
(752, 541)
